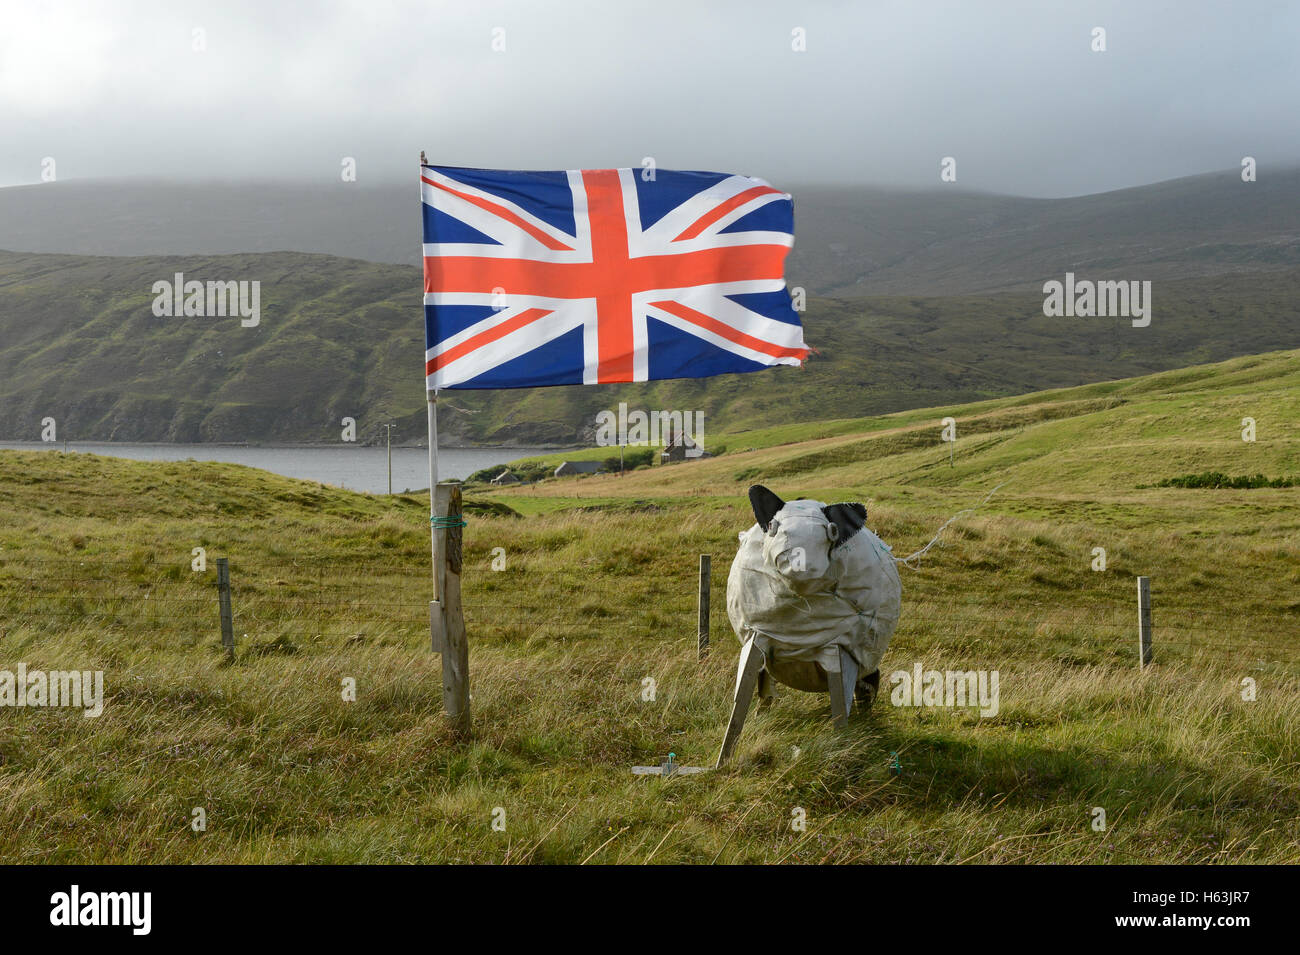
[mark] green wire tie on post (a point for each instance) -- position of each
(439, 521)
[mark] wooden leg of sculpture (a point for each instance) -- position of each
(841, 677)
(751, 662)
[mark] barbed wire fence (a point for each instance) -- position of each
(305, 599)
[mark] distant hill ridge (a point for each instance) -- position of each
(850, 240)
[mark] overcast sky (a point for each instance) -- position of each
(1012, 90)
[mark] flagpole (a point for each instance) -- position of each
(433, 488)
(433, 457)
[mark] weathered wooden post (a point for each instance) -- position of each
(446, 619)
(703, 622)
(223, 599)
(1144, 621)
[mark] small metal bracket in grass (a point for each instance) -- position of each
(669, 767)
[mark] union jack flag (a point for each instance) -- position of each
(603, 275)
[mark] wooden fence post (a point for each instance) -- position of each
(223, 598)
(703, 622)
(1144, 621)
(446, 618)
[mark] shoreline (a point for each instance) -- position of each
(58, 445)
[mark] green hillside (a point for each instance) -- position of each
(1115, 436)
(598, 595)
(341, 337)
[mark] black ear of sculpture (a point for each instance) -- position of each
(765, 505)
(849, 518)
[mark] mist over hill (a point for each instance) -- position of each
(850, 240)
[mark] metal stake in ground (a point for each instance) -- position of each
(389, 428)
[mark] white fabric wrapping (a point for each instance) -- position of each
(849, 595)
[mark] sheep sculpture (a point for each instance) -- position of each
(814, 598)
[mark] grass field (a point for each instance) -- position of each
(598, 595)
